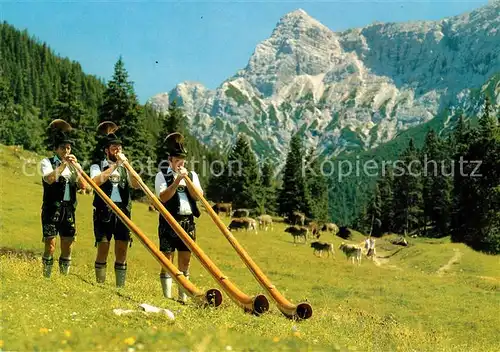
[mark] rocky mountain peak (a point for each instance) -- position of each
(298, 20)
(346, 91)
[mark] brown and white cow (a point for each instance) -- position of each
(243, 223)
(314, 229)
(297, 232)
(330, 227)
(265, 221)
(241, 213)
(297, 218)
(223, 208)
(352, 252)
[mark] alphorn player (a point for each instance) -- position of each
(60, 182)
(180, 201)
(115, 181)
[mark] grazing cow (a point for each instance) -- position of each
(241, 213)
(297, 218)
(297, 232)
(351, 251)
(321, 247)
(330, 227)
(223, 208)
(344, 233)
(314, 229)
(265, 221)
(243, 223)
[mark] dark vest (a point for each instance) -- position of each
(173, 204)
(53, 194)
(107, 187)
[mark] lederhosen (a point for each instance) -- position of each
(58, 216)
(169, 241)
(106, 223)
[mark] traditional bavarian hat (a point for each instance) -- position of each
(107, 130)
(59, 133)
(174, 143)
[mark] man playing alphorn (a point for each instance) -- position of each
(180, 201)
(59, 198)
(115, 181)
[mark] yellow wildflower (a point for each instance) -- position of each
(129, 341)
(44, 331)
(276, 339)
(67, 333)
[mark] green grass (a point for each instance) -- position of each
(400, 304)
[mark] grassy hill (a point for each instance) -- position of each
(431, 296)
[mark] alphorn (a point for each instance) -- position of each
(211, 297)
(257, 304)
(300, 311)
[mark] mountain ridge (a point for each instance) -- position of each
(345, 91)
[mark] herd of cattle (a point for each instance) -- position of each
(301, 229)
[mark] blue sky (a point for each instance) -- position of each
(204, 41)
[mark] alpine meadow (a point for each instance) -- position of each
(340, 192)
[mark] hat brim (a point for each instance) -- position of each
(59, 142)
(178, 154)
(113, 141)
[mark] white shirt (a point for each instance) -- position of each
(46, 168)
(367, 244)
(114, 177)
(161, 185)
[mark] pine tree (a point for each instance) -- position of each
(407, 194)
(436, 187)
(385, 186)
(70, 108)
(462, 139)
(122, 107)
(316, 188)
(6, 113)
(242, 174)
(477, 192)
(173, 121)
(487, 218)
(266, 192)
(374, 214)
(293, 196)
(218, 183)
(176, 121)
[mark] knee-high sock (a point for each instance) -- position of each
(182, 293)
(100, 272)
(47, 265)
(64, 265)
(120, 274)
(166, 285)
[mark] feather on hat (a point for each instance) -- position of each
(107, 130)
(59, 133)
(174, 143)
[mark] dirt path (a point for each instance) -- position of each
(455, 259)
(384, 260)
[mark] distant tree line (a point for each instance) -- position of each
(37, 86)
(451, 186)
